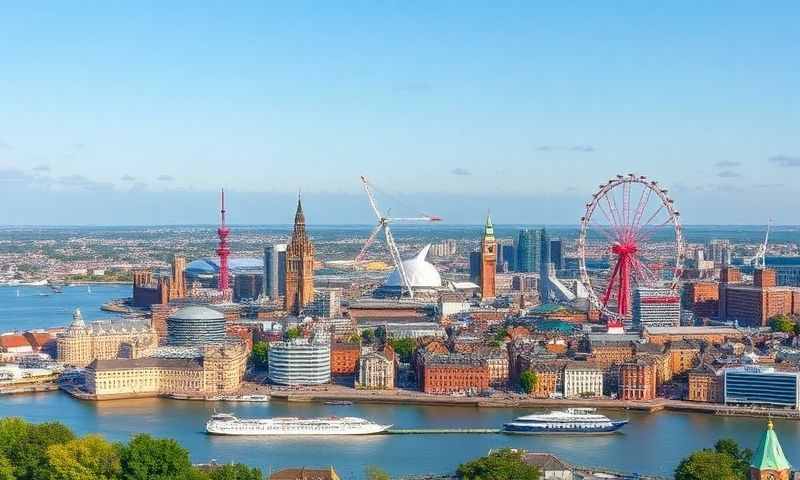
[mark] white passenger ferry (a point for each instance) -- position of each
(225, 424)
(572, 420)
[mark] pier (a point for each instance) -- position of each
(441, 431)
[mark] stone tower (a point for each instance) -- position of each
(488, 260)
(769, 462)
(177, 285)
(299, 266)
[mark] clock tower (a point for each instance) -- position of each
(769, 462)
(488, 260)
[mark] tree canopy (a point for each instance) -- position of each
(87, 458)
(236, 471)
(259, 356)
(375, 473)
(50, 451)
(505, 464)
(528, 381)
(782, 323)
(294, 332)
(726, 461)
(403, 347)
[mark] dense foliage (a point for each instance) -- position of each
(403, 347)
(259, 356)
(375, 473)
(528, 381)
(782, 323)
(726, 461)
(50, 451)
(505, 464)
(293, 333)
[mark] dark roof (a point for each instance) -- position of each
(652, 348)
(304, 474)
(147, 362)
(545, 461)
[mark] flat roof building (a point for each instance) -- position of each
(756, 385)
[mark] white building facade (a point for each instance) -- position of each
(300, 362)
(656, 307)
(583, 381)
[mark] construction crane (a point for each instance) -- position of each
(383, 225)
(759, 261)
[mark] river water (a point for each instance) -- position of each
(651, 443)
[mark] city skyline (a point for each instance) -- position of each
(521, 109)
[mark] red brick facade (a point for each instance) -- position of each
(451, 378)
(344, 358)
(637, 380)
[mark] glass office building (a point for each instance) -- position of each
(756, 385)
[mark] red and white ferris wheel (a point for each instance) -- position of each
(630, 237)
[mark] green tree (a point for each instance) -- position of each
(6, 469)
(355, 337)
(782, 323)
(742, 456)
(148, 458)
(259, 356)
(528, 381)
(505, 464)
(368, 337)
(87, 458)
(707, 465)
(403, 347)
(375, 473)
(24, 445)
(293, 333)
(236, 471)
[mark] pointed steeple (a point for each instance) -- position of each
(769, 455)
(299, 216)
(488, 230)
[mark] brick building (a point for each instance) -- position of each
(637, 380)
(702, 298)
(605, 353)
(684, 355)
(549, 378)
(753, 305)
(451, 373)
(705, 385)
(710, 335)
(344, 358)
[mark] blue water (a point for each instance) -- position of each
(39, 307)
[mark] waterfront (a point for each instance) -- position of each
(39, 307)
(651, 443)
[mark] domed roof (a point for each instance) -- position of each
(420, 273)
(197, 312)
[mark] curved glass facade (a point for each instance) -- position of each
(299, 363)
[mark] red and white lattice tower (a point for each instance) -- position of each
(642, 242)
(223, 250)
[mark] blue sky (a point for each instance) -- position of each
(109, 110)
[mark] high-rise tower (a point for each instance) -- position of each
(223, 250)
(299, 266)
(488, 260)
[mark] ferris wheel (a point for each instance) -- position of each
(624, 245)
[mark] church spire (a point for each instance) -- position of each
(299, 216)
(769, 456)
(488, 230)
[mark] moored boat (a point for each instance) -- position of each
(247, 398)
(226, 424)
(572, 420)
